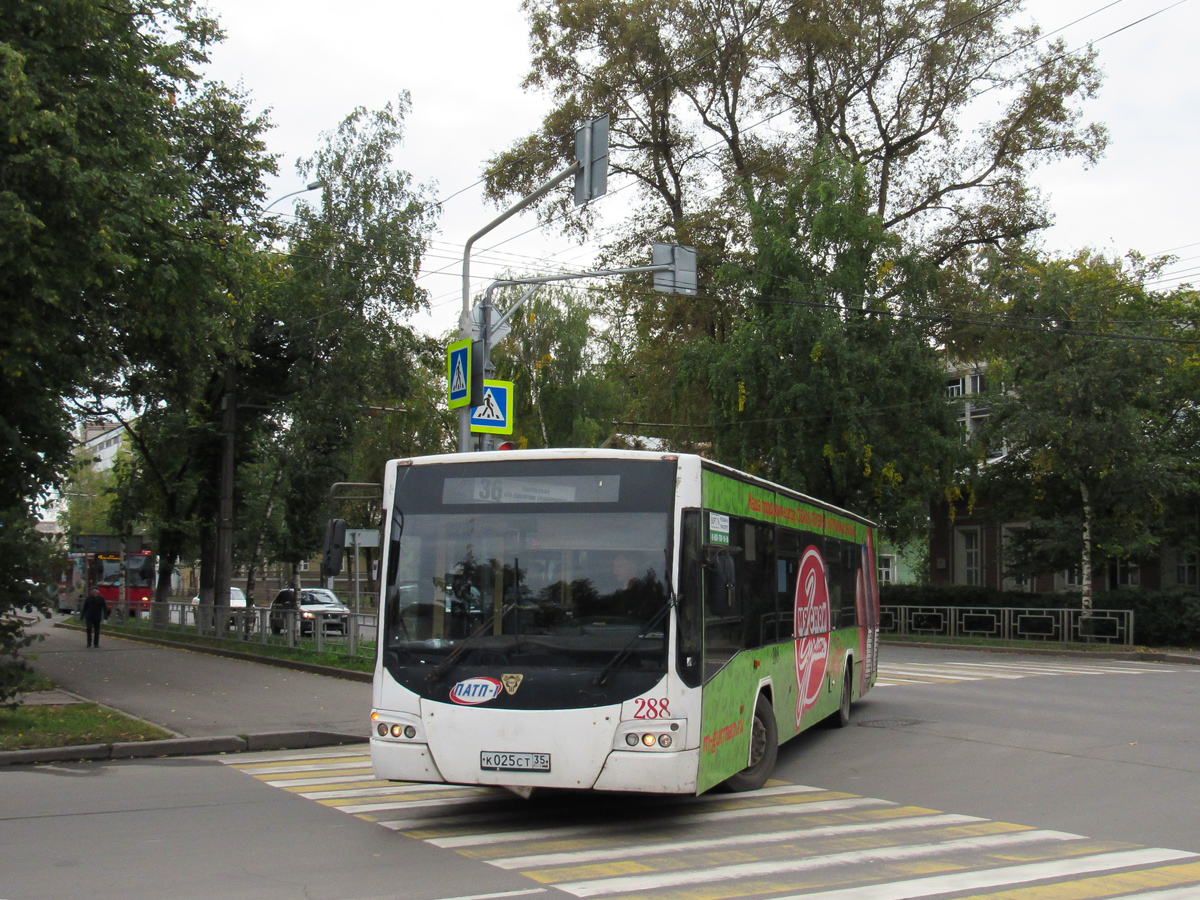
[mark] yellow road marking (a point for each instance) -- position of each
(1103, 885)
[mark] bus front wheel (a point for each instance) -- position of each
(764, 747)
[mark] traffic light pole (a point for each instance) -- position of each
(464, 414)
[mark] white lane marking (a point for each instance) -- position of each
(320, 767)
(625, 884)
(266, 756)
(426, 822)
(568, 831)
(382, 790)
(497, 896)
(768, 837)
(1020, 669)
(344, 778)
(947, 672)
(419, 804)
(1002, 877)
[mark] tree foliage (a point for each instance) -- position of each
(715, 100)
(119, 172)
(1097, 414)
(565, 396)
(827, 385)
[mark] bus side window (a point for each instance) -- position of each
(722, 613)
(788, 548)
(843, 560)
(690, 608)
(756, 582)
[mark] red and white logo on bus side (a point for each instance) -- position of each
(812, 630)
(474, 691)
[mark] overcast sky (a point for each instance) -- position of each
(463, 61)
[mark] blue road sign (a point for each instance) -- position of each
(494, 414)
(458, 373)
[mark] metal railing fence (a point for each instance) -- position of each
(349, 634)
(1051, 626)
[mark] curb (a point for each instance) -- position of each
(296, 665)
(185, 746)
(1135, 655)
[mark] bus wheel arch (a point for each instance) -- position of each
(840, 717)
(764, 748)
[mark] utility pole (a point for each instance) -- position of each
(223, 571)
(591, 181)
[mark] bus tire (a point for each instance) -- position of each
(841, 718)
(764, 747)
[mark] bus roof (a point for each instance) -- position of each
(561, 453)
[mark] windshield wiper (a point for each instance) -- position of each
(458, 651)
(621, 656)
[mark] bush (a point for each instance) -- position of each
(1169, 618)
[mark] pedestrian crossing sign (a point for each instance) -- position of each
(458, 373)
(494, 414)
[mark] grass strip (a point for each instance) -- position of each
(301, 653)
(34, 727)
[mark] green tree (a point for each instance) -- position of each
(119, 171)
(354, 261)
(882, 84)
(88, 495)
(564, 397)
(716, 102)
(1097, 414)
(829, 385)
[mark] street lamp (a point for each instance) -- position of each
(311, 186)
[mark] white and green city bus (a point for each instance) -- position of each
(611, 620)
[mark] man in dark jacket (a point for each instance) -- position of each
(94, 611)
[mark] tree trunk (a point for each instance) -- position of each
(258, 538)
(169, 546)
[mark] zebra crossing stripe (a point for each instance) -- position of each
(768, 837)
(1119, 884)
(368, 776)
(568, 831)
(378, 789)
(625, 884)
(304, 767)
(916, 888)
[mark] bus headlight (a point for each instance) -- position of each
(648, 740)
(664, 741)
(632, 739)
(397, 730)
(382, 729)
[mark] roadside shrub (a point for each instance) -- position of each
(1168, 618)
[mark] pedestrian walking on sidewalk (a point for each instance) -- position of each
(95, 610)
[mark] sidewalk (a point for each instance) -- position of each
(214, 704)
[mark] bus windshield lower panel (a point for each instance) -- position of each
(572, 595)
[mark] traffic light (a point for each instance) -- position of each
(591, 152)
(680, 278)
(335, 544)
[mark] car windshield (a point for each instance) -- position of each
(320, 597)
(560, 569)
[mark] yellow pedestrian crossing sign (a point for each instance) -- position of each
(458, 373)
(494, 414)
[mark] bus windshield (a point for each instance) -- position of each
(533, 563)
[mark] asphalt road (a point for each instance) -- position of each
(1107, 755)
(1030, 763)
